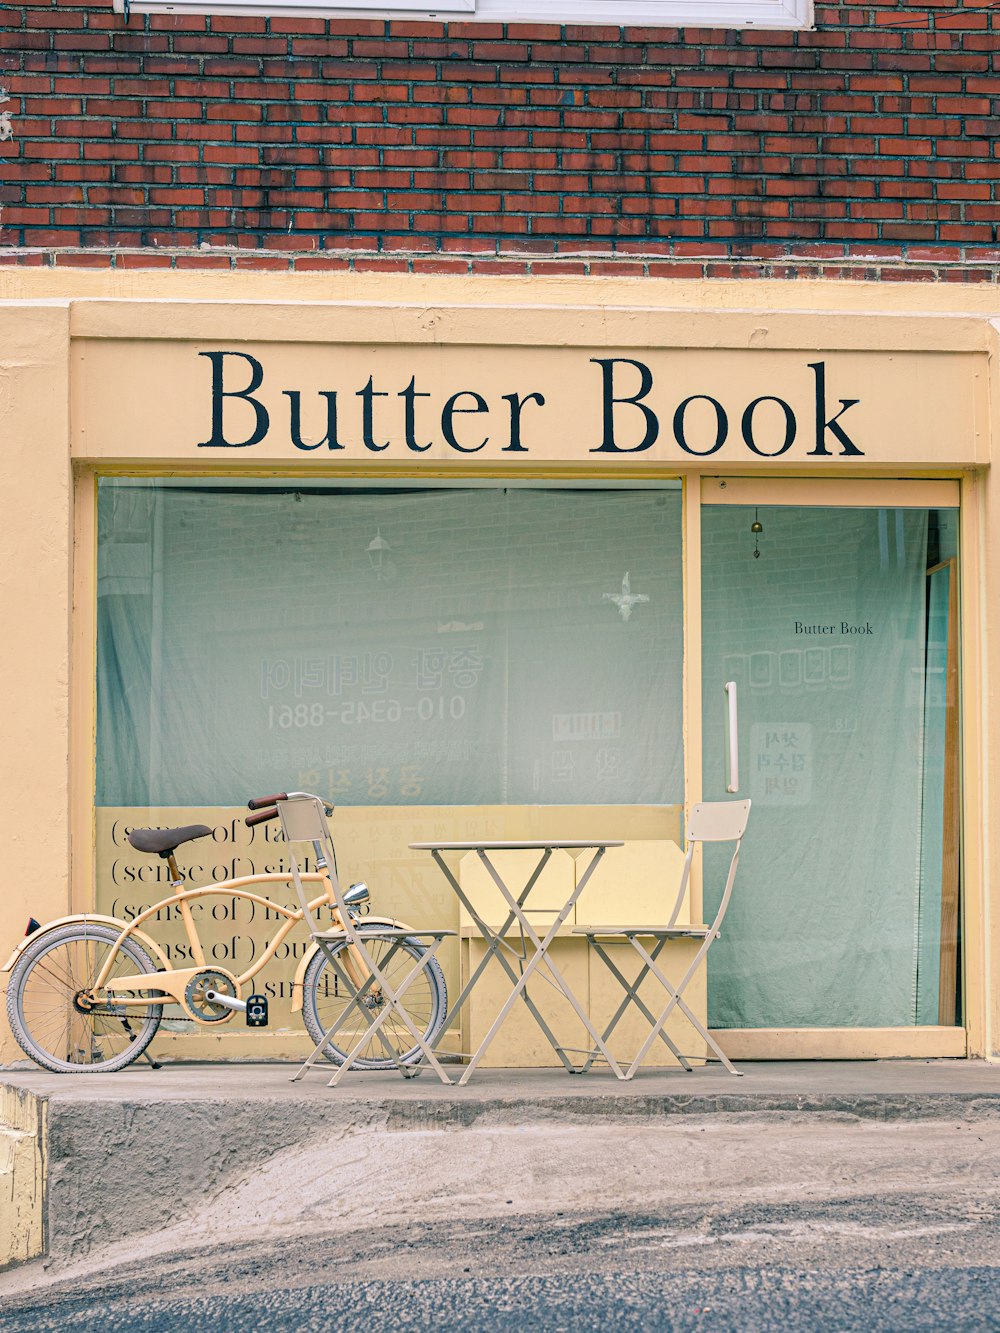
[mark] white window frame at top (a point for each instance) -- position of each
(774, 14)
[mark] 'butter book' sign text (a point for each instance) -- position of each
(631, 413)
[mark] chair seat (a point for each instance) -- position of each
(387, 933)
(658, 932)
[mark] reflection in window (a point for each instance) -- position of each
(453, 647)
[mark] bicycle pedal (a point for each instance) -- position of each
(256, 1011)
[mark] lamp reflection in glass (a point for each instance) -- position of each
(378, 555)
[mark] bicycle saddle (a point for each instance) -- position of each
(165, 840)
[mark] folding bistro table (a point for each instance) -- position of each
(521, 965)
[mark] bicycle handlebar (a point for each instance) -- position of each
(259, 802)
(262, 816)
(272, 803)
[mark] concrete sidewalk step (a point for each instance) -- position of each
(138, 1146)
(811, 1080)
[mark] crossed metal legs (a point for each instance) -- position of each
(675, 994)
(540, 954)
(392, 1004)
(632, 997)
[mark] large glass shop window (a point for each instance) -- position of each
(434, 647)
(840, 629)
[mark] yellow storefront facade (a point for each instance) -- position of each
(478, 559)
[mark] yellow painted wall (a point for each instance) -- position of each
(976, 301)
(23, 1166)
(35, 587)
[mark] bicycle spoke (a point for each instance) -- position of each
(42, 1000)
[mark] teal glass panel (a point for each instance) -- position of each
(453, 647)
(825, 634)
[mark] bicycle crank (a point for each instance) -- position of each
(212, 995)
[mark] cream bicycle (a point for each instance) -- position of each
(86, 992)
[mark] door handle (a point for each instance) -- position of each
(733, 751)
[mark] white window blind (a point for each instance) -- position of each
(775, 14)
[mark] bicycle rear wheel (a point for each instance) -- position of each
(426, 1001)
(47, 1017)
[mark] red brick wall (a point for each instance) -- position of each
(873, 139)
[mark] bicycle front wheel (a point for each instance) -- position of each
(51, 1020)
(324, 1000)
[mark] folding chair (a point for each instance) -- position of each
(711, 821)
(371, 996)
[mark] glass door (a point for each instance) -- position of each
(830, 698)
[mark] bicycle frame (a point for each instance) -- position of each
(174, 981)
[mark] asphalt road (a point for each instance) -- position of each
(745, 1299)
(749, 1267)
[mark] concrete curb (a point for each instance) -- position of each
(140, 1157)
(23, 1151)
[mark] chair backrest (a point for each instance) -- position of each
(713, 821)
(718, 821)
(303, 819)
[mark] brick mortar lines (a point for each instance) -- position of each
(847, 266)
(935, 185)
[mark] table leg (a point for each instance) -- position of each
(496, 944)
(541, 955)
